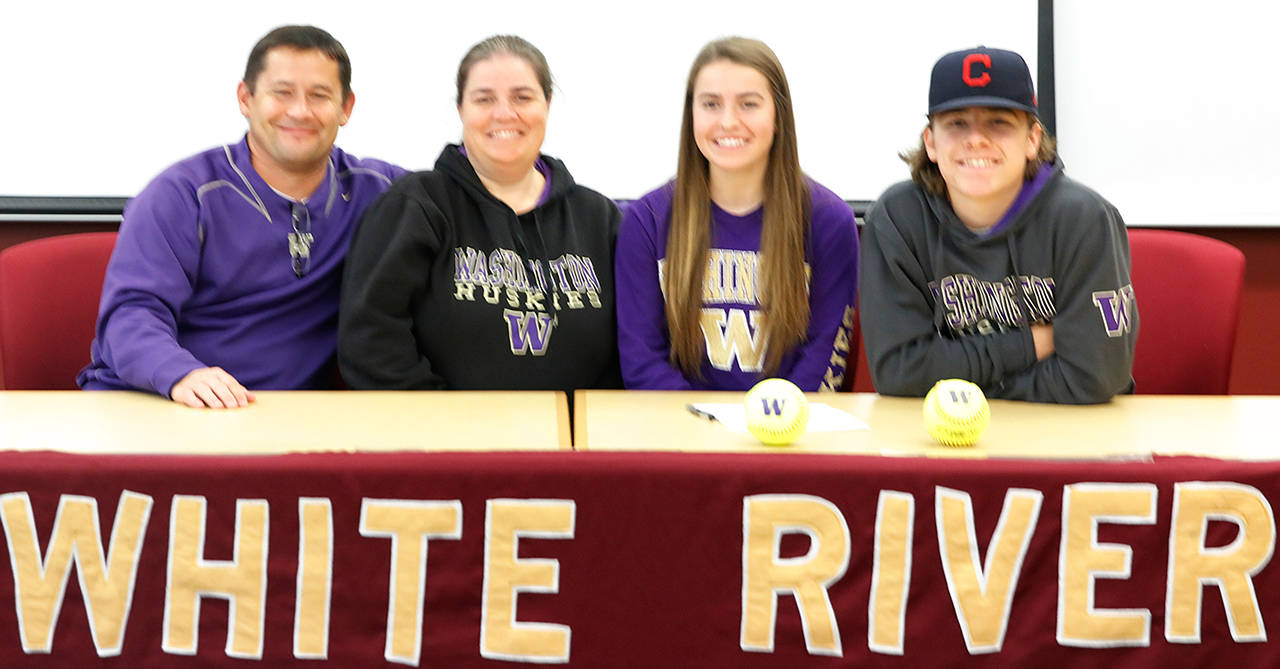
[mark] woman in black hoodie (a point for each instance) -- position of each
(494, 270)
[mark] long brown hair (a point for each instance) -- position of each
(783, 294)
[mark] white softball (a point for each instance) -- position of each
(777, 412)
(956, 412)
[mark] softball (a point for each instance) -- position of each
(777, 412)
(956, 412)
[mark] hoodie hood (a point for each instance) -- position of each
(453, 163)
(1014, 220)
(521, 232)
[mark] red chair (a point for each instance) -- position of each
(49, 293)
(1188, 292)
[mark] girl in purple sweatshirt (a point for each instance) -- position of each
(741, 268)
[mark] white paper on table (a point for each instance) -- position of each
(822, 417)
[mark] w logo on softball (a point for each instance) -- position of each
(530, 331)
(778, 406)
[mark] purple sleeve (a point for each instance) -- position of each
(149, 278)
(644, 348)
(833, 289)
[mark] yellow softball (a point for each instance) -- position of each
(777, 411)
(956, 412)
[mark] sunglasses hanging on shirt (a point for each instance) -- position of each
(300, 239)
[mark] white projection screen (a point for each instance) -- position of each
(1170, 108)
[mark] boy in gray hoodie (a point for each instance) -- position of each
(992, 265)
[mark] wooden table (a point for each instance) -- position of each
(285, 422)
(1137, 426)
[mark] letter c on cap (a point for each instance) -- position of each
(966, 72)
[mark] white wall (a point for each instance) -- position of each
(99, 96)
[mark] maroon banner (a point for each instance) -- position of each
(635, 560)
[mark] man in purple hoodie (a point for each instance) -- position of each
(226, 272)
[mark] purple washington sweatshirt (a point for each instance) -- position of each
(735, 352)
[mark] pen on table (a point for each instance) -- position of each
(701, 414)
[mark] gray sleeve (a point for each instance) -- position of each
(905, 351)
(1095, 324)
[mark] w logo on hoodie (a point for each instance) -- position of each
(1116, 308)
(530, 331)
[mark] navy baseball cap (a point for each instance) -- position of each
(981, 77)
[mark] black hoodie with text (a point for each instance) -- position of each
(446, 287)
(939, 301)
